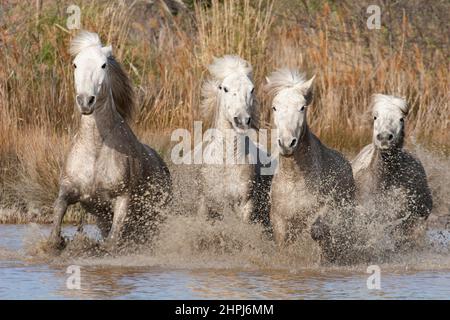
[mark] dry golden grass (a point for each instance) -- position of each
(166, 55)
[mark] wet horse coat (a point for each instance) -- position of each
(229, 102)
(384, 167)
(122, 182)
(314, 184)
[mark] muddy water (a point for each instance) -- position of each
(220, 275)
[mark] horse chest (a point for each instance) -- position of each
(290, 194)
(94, 173)
(231, 182)
(236, 181)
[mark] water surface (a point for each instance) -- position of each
(140, 277)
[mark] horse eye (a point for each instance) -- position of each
(274, 109)
(225, 89)
(74, 66)
(104, 66)
(374, 118)
(253, 90)
(401, 120)
(302, 108)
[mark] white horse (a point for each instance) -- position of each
(228, 101)
(312, 179)
(121, 181)
(383, 167)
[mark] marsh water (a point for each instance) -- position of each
(27, 274)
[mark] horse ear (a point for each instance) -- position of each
(306, 89)
(404, 107)
(107, 50)
(307, 86)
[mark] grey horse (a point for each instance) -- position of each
(383, 167)
(313, 189)
(122, 182)
(228, 100)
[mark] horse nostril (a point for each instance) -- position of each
(293, 143)
(279, 143)
(91, 100)
(379, 137)
(236, 121)
(79, 100)
(390, 137)
(248, 121)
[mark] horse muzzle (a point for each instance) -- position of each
(86, 103)
(287, 148)
(384, 141)
(241, 124)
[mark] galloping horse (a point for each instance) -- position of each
(384, 166)
(313, 181)
(228, 100)
(119, 180)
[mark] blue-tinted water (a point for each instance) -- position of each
(427, 277)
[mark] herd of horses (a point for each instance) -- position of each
(126, 185)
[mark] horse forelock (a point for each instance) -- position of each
(229, 64)
(83, 40)
(387, 102)
(284, 79)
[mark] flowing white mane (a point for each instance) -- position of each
(229, 64)
(83, 40)
(383, 101)
(209, 98)
(284, 78)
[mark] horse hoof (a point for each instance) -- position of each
(57, 242)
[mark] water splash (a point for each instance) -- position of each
(188, 240)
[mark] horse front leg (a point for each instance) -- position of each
(59, 210)
(121, 205)
(279, 225)
(247, 210)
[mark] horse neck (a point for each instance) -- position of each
(102, 122)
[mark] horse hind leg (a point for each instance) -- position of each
(104, 225)
(82, 222)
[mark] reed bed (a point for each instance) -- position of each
(166, 45)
